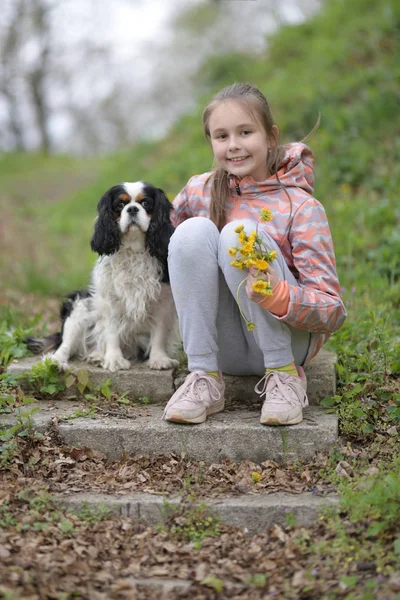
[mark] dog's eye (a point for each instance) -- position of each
(145, 204)
(121, 205)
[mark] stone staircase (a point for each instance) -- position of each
(235, 434)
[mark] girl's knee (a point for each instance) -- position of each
(195, 227)
(229, 237)
(193, 235)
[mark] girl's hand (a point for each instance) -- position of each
(269, 275)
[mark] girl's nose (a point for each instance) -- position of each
(233, 143)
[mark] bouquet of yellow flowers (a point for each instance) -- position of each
(253, 253)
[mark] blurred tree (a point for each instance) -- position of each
(25, 47)
(39, 17)
(64, 87)
(9, 46)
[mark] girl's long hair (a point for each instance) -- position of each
(255, 103)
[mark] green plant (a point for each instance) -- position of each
(12, 343)
(258, 580)
(24, 427)
(290, 518)
(213, 582)
(101, 392)
(90, 412)
(80, 379)
(374, 500)
(92, 514)
(189, 521)
(364, 527)
(143, 400)
(7, 519)
(45, 378)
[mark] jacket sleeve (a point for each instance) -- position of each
(180, 207)
(315, 304)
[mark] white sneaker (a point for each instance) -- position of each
(285, 398)
(198, 397)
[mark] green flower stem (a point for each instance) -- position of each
(250, 325)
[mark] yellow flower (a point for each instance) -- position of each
(238, 263)
(242, 237)
(261, 264)
(239, 228)
(232, 251)
(256, 477)
(250, 262)
(265, 215)
(246, 249)
(260, 286)
(253, 237)
(270, 256)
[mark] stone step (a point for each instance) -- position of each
(158, 386)
(255, 512)
(235, 434)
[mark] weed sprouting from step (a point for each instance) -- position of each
(92, 513)
(81, 413)
(189, 521)
(45, 379)
(290, 518)
(284, 437)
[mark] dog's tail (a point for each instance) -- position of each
(44, 345)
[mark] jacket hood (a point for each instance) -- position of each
(296, 170)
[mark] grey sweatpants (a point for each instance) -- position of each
(204, 287)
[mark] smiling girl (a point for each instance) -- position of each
(253, 173)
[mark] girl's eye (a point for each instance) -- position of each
(246, 132)
(221, 136)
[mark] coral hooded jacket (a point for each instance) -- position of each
(301, 232)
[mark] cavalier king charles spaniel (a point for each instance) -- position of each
(128, 308)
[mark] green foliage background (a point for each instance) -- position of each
(345, 64)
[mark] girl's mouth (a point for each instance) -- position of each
(239, 159)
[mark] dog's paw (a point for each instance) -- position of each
(115, 363)
(60, 361)
(162, 362)
(96, 358)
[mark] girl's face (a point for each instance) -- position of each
(240, 144)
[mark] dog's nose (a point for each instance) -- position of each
(132, 210)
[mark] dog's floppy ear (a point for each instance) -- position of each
(107, 236)
(160, 230)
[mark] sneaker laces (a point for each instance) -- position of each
(194, 383)
(278, 392)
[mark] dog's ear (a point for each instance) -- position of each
(106, 236)
(160, 230)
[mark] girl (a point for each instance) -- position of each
(253, 173)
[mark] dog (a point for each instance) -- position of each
(128, 309)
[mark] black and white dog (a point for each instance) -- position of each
(128, 306)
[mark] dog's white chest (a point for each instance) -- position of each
(128, 282)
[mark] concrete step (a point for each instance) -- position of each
(235, 434)
(255, 512)
(158, 386)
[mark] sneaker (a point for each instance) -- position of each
(198, 397)
(285, 398)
